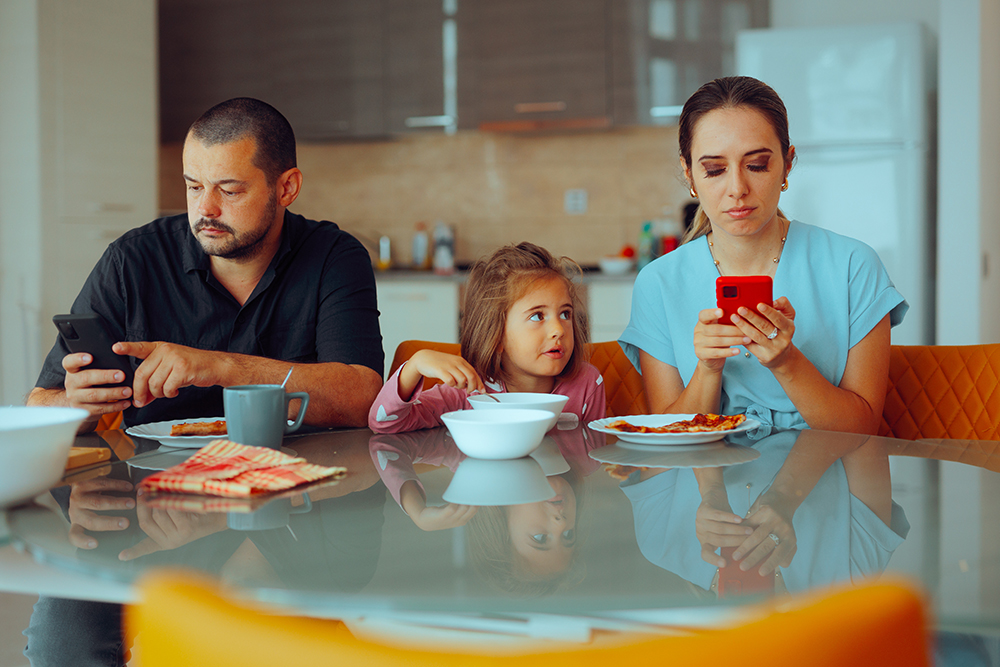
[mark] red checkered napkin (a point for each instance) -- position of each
(224, 468)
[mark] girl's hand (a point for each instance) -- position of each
(714, 342)
(451, 369)
(777, 321)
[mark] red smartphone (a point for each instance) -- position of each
(731, 292)
(734, 581)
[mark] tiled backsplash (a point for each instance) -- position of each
(491, 188)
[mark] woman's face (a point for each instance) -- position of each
(737, 169)
(544, 534)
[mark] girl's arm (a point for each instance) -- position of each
(396, 412)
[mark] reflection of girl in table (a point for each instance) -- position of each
(826, 499)
(818, 357)
(525, 549)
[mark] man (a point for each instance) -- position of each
(236, 292)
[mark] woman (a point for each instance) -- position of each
(821, 364)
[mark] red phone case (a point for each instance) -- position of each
(731, 292)
(734, 581)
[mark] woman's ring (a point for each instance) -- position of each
(773, 334)
(777, 540)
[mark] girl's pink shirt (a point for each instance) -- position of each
(391, 413)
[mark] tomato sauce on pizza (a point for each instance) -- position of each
(700, 423)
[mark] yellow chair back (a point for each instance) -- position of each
(183, 621)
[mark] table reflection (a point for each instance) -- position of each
(827, 496)
(522, 515)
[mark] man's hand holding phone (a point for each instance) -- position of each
(87, 387)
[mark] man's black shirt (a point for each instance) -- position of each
(315, 303)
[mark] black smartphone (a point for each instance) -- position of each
(85, 332)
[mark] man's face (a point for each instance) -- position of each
(231, 206)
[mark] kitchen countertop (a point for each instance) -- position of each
(589, 276)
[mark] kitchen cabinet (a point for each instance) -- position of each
(609, 304)
(320, 62)
(416, 306)
(536, 62)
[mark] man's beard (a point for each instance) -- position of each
(244, 245)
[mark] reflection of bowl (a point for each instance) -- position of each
(485, 483)
(497, 434)
(615, 266)
(554, 403)
(34, 447)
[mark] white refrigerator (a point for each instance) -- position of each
(858, 101)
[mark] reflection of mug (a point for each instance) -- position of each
(272, 515)
(257, 414)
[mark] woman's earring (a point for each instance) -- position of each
(784, 186)
(694, 195)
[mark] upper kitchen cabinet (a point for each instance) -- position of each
(677, 45)
(320, 62)
(536, 64)
(422, 65)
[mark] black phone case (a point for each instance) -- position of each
(85, 332)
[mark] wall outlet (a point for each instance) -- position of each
(575, 201)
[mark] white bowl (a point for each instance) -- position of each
(497, 434)
(615, 266)
(34, 447)
(488, 483)
(517, 400)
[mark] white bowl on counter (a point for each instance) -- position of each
(497, 434)
(616, 266)
(519, 400)
(34, 447)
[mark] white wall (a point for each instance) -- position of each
(20, 198)
(78, 126)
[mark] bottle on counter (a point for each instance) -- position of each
(646, 252)
(444, 249)
(421, 247)
(384, 262)
(669, 231)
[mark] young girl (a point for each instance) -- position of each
(524, 330)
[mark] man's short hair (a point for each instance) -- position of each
(241, 117)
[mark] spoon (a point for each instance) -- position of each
(483, 393)
(287, 376)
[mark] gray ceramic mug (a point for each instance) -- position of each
(257, 414)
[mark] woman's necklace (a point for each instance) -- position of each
(777, 257)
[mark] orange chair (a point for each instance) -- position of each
(185, 621)
(943, 391)
(622, 383)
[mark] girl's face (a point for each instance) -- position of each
(538, 336)
(737, 169)
(544, 534)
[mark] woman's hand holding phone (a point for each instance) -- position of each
(770, 331)
(715, 340)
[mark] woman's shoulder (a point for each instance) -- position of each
(820, 235)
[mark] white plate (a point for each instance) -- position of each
(665, 438)
(712, 455)
(160, 431)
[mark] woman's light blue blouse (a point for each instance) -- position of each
(837, 286)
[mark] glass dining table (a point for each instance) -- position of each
(588, 533)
